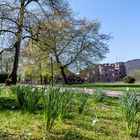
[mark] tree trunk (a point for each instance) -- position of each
(41, 79)
(64, 75)
(12, 78)
(62, 71)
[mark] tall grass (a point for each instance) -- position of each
(81, 100)
(55, 104)
(66, 104)
(99, 95)
(27, 96)
(0, 89)
(130, 105)
(20, 93)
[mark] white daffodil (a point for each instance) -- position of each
(33, 89)
(94, 122)
(13, 107)
(127, 89)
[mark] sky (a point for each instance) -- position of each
(121, 18)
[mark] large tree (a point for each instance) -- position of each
(73, 42)
(38, 66)
(17, 17)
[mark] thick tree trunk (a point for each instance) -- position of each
(62, 68)
(12, 78)
(64, 75)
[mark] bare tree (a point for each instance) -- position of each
(17, 17)
(73, 42)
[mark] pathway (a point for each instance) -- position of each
(91, 91)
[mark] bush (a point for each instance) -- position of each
(129, 79)
(3, 77)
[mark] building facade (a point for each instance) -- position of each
(114, 72)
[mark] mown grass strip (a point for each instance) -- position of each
(107, 86)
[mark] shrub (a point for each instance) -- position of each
(3, 77)
(99, 95)
(130, 107)
(129, 79)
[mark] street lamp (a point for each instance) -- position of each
(52, 58)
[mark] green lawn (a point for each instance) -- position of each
(107, 86)
(15, 124)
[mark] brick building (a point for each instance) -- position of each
(105, 73)
(112, 72)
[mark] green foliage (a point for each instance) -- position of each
(130, 104)
(3, 77)
(104, 85)
(107, 119)
(20, 94)
(129, 79)
(107, 86)
(136, 74)
(55, 105)
(66, 104)
(27, 96)
(81, 100)
(99, 96)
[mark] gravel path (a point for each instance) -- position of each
(91, 91)
(114, 93)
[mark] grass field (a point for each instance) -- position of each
(107, 86)
(99, 121)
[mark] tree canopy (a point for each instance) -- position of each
(17, 18)
(74, 43)
(50, 25)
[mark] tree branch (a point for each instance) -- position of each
(29, 1)
(8, 31)
(6, 18)
(5, 49)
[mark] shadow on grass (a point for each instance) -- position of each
(7, 103)
(68, 134)
(5, 135)
(110, 118)
(133, 135)
(111, 101)
(84, 126)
